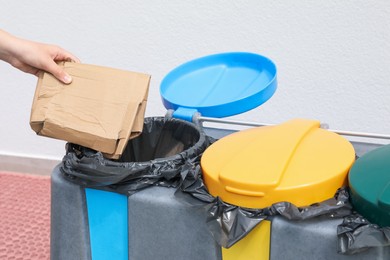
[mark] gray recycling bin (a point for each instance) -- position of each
(90, 223)
(162, 223)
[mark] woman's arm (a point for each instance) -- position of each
(32, 57)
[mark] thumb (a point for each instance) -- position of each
(59, 73)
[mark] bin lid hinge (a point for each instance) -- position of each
(185, 113)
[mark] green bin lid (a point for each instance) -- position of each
(369, 181)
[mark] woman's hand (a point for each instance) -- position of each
(32, 57)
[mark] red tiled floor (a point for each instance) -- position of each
(24, 217)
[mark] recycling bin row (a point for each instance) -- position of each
(180, 191)
(149, 217)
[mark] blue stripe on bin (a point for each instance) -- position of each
(108, 227)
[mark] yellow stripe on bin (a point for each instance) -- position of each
(255, 246)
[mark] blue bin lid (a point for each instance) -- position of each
(219, 85)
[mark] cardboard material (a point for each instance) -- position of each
(101, 109)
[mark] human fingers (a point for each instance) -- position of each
(57, 72)
(63, 55)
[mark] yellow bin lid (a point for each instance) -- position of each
(296, 161)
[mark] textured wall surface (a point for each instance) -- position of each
(333, 57)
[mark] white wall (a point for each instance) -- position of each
(333, 57)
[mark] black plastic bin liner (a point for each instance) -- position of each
(168, 153)
(156, 157)
(229, 223)
(356, 234)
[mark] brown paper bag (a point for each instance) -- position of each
(101, 109)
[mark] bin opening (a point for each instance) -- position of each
(157, 157)
(161, 139)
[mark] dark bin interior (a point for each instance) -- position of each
(161, 138)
